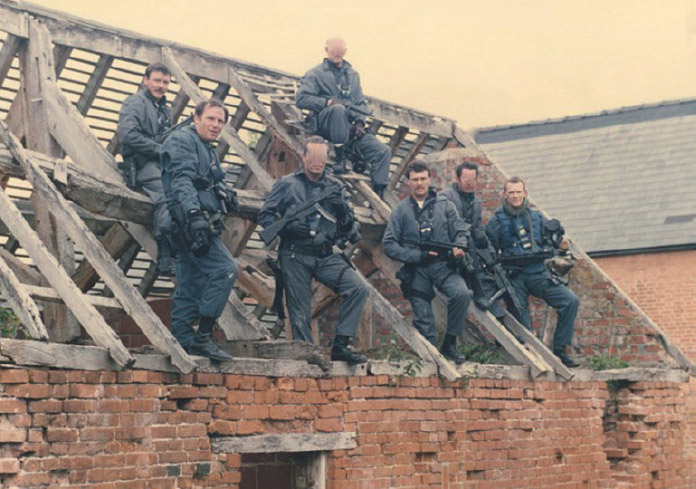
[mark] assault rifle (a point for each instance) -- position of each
(487, 262)
(160, 138)
(443, 250)
(298, 212)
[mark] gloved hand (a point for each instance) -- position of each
(357, 130)
(333, 101)
(427, 257)
(199, 232)
(228, 197)
(480, 238)
(338, 203)
(297, 229)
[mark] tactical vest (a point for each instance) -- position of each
(513, 230)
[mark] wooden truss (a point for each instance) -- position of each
(62, 81)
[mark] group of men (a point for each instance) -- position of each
(179, 169)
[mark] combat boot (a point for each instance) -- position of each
(341, 352)
(204, 344)
(560, 352)
(339, 166)
(165, 262)
(449, 350)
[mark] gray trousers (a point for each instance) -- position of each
(203, 286)
(452, 285)
(484, 287)
(557, 296)
(332, 271)
(150, 179)
(334, 124)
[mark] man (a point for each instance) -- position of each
(144, 117)
(519, 234)
(306, 248)
(427, 216)
(197, 196)
(462, 193)
(329, 90)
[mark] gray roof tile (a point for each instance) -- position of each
(613, 178)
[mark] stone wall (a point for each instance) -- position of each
(143, 429)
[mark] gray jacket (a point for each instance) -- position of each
(295, 189)
(325, 81)
(140, 121)
(407, 219)
(190, 167)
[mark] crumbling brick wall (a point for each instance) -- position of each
(140, 429)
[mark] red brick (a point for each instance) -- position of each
(12, 406)
(29, 391)
(13, 376)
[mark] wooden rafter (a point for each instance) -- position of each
(113, 277)
(21, 302)
(10, 47)
(95, 81)
(403, 164)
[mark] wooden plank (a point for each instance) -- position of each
(37, 66)
(50, 295)
(75, 136)
(248, 95)
(24, 272)
(90, 319)
(229, 135)
(10, 47)
(21, 302)
(236, 121)
(285, 443)
(148, 279)
(361, 185)
(116, 241)
(317, 470)
(529, 357)
(397, 138)
(181, 101)
(238, 324)
(133, 304)
(531, 339)
(403, 164)
(95, 81)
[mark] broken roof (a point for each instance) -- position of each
(618, 179)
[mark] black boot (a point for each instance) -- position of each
(560, 352)
(342, 353)
(449, 350)
(205, 346)
(165, 262)
(339, 166)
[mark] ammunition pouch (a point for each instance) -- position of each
(129, 171)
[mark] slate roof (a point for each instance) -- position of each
(620, 181)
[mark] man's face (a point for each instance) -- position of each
(315, 159)
(210, 123)
(515, 194)
(335, 51)
(157, 84)
(467, 181)
(419, 183)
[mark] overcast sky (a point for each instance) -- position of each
(480, 62)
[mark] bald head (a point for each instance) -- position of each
(335, 48)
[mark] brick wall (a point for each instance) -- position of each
(139, 429)
(664, 286)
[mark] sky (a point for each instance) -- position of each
(482, 63)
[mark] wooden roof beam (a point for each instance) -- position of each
(94, 83)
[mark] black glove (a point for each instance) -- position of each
(199, 232)
(338, 203)
(480, 239)
(297, 229)
(357, 130)
(228, 197)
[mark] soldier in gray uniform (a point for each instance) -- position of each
(143, 118)
(462, 193)
(306, 248)
(197, 197)
(328, 90)
(428, 216)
